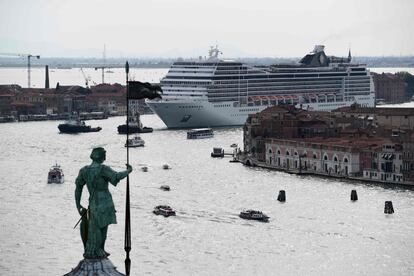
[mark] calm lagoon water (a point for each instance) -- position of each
(318, 231)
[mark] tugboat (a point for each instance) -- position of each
(76, 125)
(55, 175)
(164, 210)
(135, 142)
(135, 126)
(254, 215)
(165, 187)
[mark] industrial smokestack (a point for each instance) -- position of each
(47, 77)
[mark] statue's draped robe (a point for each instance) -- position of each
(101, 206)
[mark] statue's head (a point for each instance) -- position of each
(98, 155)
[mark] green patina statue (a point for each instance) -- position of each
(101, 210)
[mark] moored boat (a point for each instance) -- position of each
(217, 152)
(55, 175)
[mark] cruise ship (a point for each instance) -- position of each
(211, 92)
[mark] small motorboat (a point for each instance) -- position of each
(165, 187)
(254, 215)
(135, 142)
(234, 145)
(166, 167)
(164, 210)
(55, 175)
(144, 169)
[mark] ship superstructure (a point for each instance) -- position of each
(215, 92)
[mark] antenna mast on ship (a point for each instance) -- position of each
(214, 52)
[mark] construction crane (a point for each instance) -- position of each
(28, 56)
(87, 78)
(103, 67)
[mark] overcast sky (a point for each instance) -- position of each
(171, 28)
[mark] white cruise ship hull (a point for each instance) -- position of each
(191, 113)
(213, 92)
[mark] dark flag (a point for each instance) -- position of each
(143, 90)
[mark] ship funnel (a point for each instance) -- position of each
(318, 48)
(47, 77)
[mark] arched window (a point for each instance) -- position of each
(325, 157)
(336, 159)
(278, 151)
(296, 153)
(345, 160)
(270, 150)
(315, 156)
(287, 152)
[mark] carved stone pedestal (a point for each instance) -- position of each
(95, 267)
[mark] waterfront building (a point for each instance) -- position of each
(332, 144)
(389, 88)
(5, 103)
(395, 118)
(331, 156)
(383, 162)
(407, 140)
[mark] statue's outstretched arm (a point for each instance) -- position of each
(113, 176)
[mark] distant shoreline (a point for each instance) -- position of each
(65, 63)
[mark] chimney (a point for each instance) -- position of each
(47, 77)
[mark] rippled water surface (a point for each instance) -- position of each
(318, 231)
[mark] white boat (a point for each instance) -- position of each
(55, 175)
(214, 92)
(200, 133)
(134, 142)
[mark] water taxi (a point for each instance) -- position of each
(200, 133)
(55, 175)
(164, 210)
(254, 215)
(135, 142)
